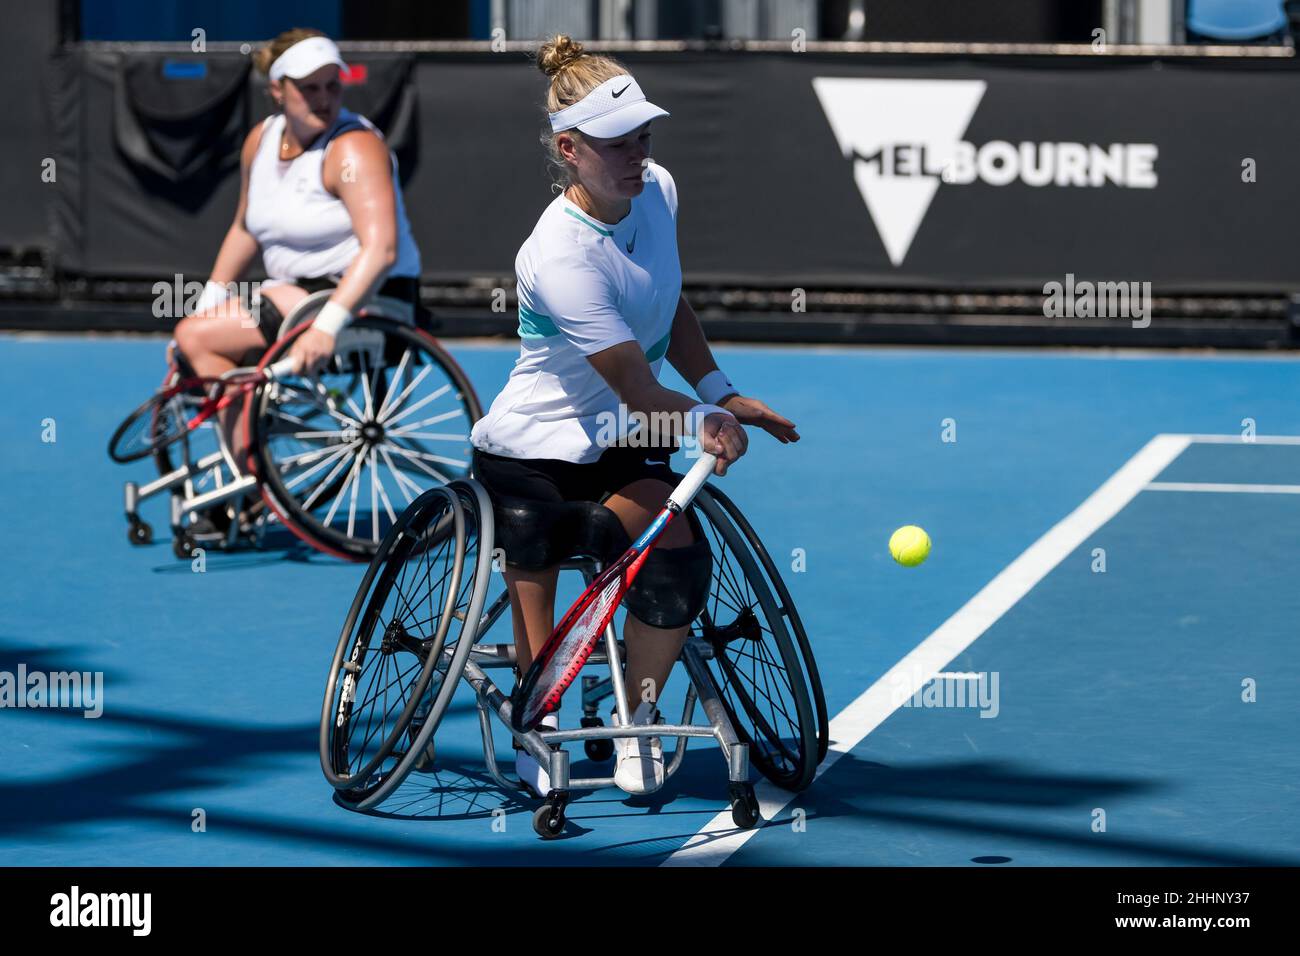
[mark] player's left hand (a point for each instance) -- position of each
(751, 411)
(312, 350)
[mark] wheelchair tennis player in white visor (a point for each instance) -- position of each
(600, 309)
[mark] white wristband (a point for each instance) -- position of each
(332, 318)
(695, 418)
(714, 387)
(213, 294)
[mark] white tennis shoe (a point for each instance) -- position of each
(639, 761)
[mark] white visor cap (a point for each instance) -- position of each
(306, 57)
(614, 108)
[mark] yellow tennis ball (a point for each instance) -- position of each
(909, 545)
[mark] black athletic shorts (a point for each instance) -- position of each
(551, 479)
(270, 319)
(534, 538)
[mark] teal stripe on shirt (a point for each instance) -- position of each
(657, 351)
(534, 325)
(587, 222)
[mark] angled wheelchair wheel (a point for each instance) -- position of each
(392, 638)
(199, 445)
(757, 666)
(341, 453)
(405, 642)
(786, 607)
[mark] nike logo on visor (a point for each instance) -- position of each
(622, 91)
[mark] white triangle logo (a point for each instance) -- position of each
(868, 116)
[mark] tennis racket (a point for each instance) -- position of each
(177, 410)
(575, 637)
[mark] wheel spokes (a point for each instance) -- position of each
(395, 419)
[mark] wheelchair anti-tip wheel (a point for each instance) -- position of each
(762, 666)
(548, 819)
(341, 453)
(744, 806)
(404, 644)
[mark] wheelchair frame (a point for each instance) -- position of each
(359, 782)
(231, 481)
(549, 818)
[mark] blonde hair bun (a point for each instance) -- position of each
(557, 53)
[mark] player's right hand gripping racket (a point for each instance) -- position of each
(575, 637)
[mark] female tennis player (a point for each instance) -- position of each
(319, 200)
(600, 308)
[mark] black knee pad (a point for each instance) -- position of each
(672, 586)
(536, 535)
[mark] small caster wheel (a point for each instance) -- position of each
(183, 547)
(597, 750)
(140, 532)
(548, 819)
(744, 806)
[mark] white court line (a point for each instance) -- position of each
(719, 838)
(1239, 440)
(1209, 486)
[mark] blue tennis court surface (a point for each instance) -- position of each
(1144, 713)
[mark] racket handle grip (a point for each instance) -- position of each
(694, 480)
(280, 369)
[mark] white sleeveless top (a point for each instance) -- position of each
(303, 230)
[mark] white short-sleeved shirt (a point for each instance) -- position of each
(584, 286)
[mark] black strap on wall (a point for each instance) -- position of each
(181, 119)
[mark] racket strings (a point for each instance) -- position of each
(157, 425)
(571, 652)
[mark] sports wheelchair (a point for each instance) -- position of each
(416, 630)
(332, 457)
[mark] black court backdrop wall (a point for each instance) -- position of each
(29, 45)
(794, 169)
